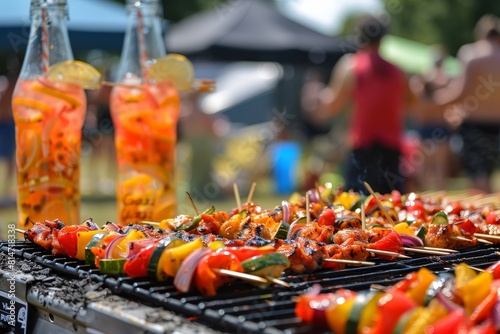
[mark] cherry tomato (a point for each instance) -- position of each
(493, 218)
(415, 208)
(454, 208)
(327, 217)
(396, 198)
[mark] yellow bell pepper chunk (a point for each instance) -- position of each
(418, 289)
(337, 315)
(171, 258)
(83, 239)
(475, 291)
(403, 228)
(432, 313)
(463, 274)
(215, 245)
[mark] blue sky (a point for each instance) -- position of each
(326, 16)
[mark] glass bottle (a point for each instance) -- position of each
(49, 117)
(145, 115)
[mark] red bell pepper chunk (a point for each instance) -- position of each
(453, 323)
(466, 225)
(404, 284)
(391, 242)
(245, 252)
(487, 327)
(484, 310)
(206, 280)
(311, 307)
(494, 269)
(137, 266)
(391, 307)
(453, 208)
(68, 239)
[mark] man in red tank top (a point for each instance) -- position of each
(377, 89)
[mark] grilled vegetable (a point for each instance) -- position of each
(270, 264)
(206, 280)
(154, 269)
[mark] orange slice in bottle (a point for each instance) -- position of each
(175, 68)
(75, 72)
(32, 104)
(74, 103)
(29, 146)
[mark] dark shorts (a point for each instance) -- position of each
(378, 166)
(434, 131)
(481, 148)
(7, 140)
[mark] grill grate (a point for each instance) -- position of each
(242, 308)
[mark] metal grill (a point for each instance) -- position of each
(241, 308)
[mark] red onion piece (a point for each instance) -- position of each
(134, 247)
(411, 241)
(314, 196)
(185, 274)
(285, 209)
(110, 226)
(112, 245)
(496, 315)
(446, 302)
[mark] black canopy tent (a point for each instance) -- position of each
(253, 30)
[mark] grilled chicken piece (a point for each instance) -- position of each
(304, 255)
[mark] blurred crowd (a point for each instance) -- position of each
(455, 122)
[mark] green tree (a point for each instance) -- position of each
(447, 22)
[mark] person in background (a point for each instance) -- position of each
(378, 90)
(7, 134)
(475, 101)
(432, 129)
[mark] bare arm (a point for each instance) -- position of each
(335, 96)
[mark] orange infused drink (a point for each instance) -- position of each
(49, 117)
(145, 118)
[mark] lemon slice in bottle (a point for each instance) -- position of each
(75, 72)
(175, 68)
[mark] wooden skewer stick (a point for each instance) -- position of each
(497, 253)
(382, 208)
(382, 252)
(460, 238)
(484, 241)
(424, 251)
(363, 217)
(250, 194)
(308, 215)
(237, 274)
(18, 230)
(361, 263)
(445, 250)
(487, 236)
(278, 281)
(237, 196)
(192, 203)
(474, 268)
